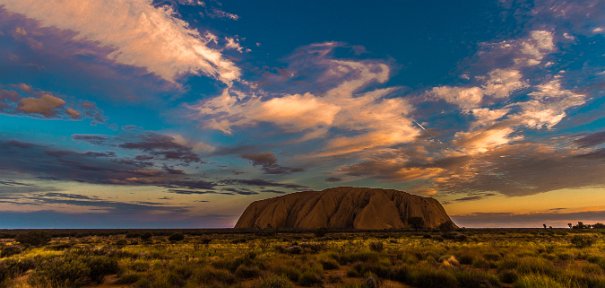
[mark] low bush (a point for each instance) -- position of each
(376, 246)
(10, 251)
(72, 270)
(536, 281)
(245, 272)
(275, 281)
(208, 275)
(33, 238)
(329, 264)
(425, 277)
(310, 278)
(176, 237)
(582, 241)
(476, 279)
(12, 268)
(508, 276)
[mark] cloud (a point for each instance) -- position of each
(503, 82)
(268, 162)
(46, 162)
(233, 43)
(590, 140)
(27, 100)
(163, 146)
(339, 108)
(44, 105)
(262, 183)
(93, 139)
(548, 105)
(138, 33)
(484, 140)
(465, 98)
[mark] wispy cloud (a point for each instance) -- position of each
(139, 34)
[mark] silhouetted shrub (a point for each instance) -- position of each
(146, 236)
(416, 222)
(33, 238)
(371, 282)
(321, 232)
(329, 264)
(376, 246)
(176, 237)
(454, 236)
(582, 241)
(508, 276)
(476, 279)
(245, 271)
(447, 226)
(128, 278)
(431, 278)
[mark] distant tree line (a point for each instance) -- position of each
(581, 225)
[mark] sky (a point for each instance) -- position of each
(180, 113)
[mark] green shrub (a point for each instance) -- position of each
(245, 271)
(33, 238)
(128, 278)
(275, 281)
(376, 246)
(61, 272)
(529, 265)
(10, 251)
(348, 258)
(72, 270)
(492, 256)
(508, 276)
(582, 241)
(426, 277)
(476, 279)
(329, 264)
(536, 281)
(209, 275)
(310, 278)
(176, 237)
(146, 236)
(12, 268)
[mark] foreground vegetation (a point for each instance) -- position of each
(465, 258)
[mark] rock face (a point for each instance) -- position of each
(343, 208)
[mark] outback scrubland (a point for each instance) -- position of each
(462, 258)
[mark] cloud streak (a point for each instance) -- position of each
(138, 33)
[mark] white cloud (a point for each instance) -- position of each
(485, 140)
(138, 33)
(466, 98)
(370, 119)
(487, 117)
(233, 44)
(548, 105)
(535, 47)
(502, 82)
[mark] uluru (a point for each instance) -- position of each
(345, 208)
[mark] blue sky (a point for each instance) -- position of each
(181, 113)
